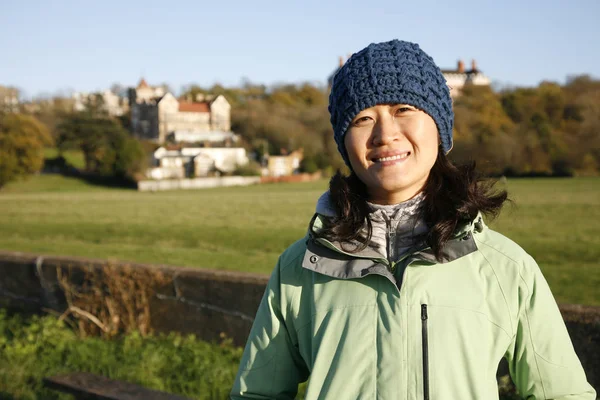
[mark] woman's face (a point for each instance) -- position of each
(391, 149)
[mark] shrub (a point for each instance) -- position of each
(107, 148)
(309, 165)
(111, 300)
(36, 347)
(22, 142)
(250, 169)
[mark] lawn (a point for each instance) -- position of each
(246, 228)
(73, 157)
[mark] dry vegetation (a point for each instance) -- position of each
(110, 300)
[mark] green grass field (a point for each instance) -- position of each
(73, 157)
(246, 228)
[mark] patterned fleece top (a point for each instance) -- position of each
(396, 227)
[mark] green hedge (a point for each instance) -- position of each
(36, 347)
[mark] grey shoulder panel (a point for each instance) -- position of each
(453, 250)
(328, 262)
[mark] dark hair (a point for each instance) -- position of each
(453, 194)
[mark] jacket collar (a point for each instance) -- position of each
(340, 261)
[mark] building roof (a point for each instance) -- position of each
(460, 68)
(456, 71)
(143, 84)
(186, 106)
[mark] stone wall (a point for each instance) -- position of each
(199, 301)
(196, 183)
(208, 303)
(304, 177)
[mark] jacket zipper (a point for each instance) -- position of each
(425, 346)
(390, 246)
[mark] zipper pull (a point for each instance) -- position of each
(425, 345)
(390, 238)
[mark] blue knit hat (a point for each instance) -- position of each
(395, 72)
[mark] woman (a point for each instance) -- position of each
(399, 290)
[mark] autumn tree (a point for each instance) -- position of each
(22, 142)
(582, 113)
(107, 148)
(483, 131)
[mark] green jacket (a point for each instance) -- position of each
(361, 328)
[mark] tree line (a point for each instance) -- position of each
(550, 129)
(547, 130)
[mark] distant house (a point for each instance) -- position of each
(9, 99)
(156, 114)
(111, 103)
(144, 92)
(284, 165)
(176, 163)
(460, 77)
(455, 78)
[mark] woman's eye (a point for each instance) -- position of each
(361, 121)
(401, 110)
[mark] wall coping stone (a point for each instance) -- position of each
(237, 276)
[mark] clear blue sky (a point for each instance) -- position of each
(49, 47)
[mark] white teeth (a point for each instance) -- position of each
(392, 158)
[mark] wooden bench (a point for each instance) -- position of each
(86, 386)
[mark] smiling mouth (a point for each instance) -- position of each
(392, 158)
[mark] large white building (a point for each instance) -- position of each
(184, 162)
(156, 114)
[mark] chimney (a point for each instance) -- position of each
(461, 66)
(341, 61)
(474, 65)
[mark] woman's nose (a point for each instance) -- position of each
(386, 131)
